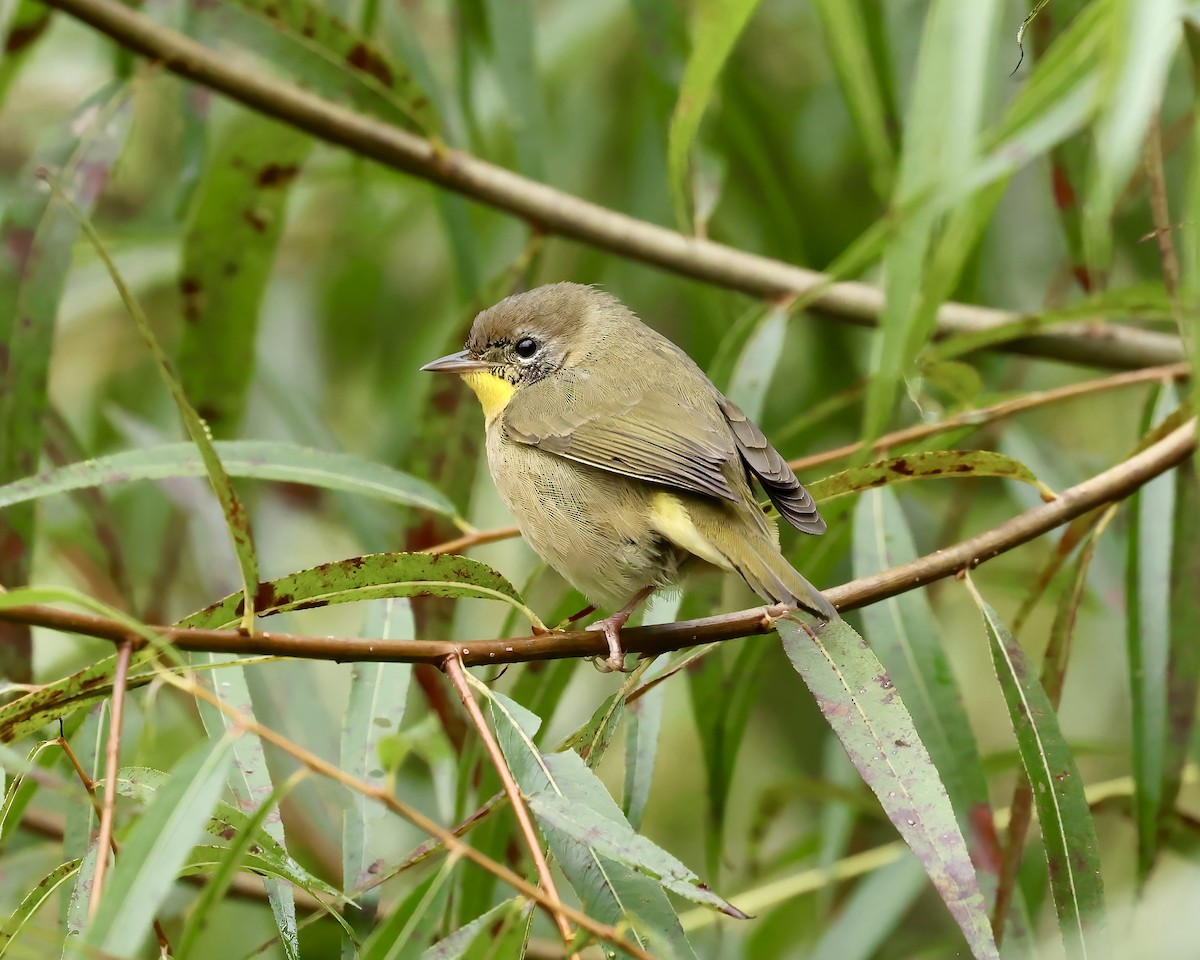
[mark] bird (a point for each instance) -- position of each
(622, 463)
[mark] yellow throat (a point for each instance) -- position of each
(493, 392)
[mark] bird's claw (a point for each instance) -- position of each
(615, 661)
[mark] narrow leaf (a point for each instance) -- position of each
(1068, 832)
(931, 465)
(864, 710)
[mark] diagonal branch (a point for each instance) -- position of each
(1113, 484)
(553, 211)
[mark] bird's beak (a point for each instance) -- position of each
(459, 362)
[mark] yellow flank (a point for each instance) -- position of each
(493, 391)
(669, 517)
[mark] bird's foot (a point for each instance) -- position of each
(611, 626)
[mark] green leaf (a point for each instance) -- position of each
(717, 26)
(756, 364)
(1141, 45)
(1148, 639)
(872, 912)
(257, 459)
(408, 930)
(904, 633)
(237, 219)
(323, 54)
(512, 28)
(481, 940)
(156, 848)
(1183, 664)
(374, 709)
(34, 900)
(36, 242)
(1068, 832)
(617, 840)
(608, 890)
(931, 465)
(865, 711)
(849, 49)
(375, 576)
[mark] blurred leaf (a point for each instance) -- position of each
(1183, 664)
(497, 934)
(872, 912)
(374, 707)
(20, 789)
(1141, 44)
(616, 839)
(940, 143)
(512, 29)
(849, 48)
(22, 23)
(408, 930)
(237, 218)
(608, 890)
(642, 734)
(37, 896)
(258, 459)
(751, 377)
(36, 240)
(1148, 641)
(934, 464)
(905, 635)
(323, 54)
(716, 28)
(1068, 832)
(156, 848)
(863, 708)
(375, 576)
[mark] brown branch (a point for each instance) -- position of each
(454, 669)
(997, 411)
(1113, 484)
(553, 211)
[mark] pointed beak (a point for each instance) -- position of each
(459, 362)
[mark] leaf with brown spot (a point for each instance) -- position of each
(933, 464)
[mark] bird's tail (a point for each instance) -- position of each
(758, 561)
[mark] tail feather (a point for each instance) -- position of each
(758, 561)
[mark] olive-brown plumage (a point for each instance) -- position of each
(620, 459)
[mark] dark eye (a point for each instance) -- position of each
(526, 347)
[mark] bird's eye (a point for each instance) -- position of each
(526, 347)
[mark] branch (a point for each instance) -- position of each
(553, 211)
(1113, 484)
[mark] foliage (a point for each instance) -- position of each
(271, 268)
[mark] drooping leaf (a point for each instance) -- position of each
(258, 459)
(905, 635)
(499, 933)
(609, 890)
(865, 711)
(34, 900)
(376, 576)
(36, 241)
(408, 930)
(1148, 588)
(237, 219)
(1068, 831)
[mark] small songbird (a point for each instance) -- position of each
(620, 459)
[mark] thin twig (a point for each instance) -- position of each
(998, 411)
(112, 766)
(453, 668)
(474, 540)
(553, 211)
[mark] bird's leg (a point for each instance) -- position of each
(612, 624)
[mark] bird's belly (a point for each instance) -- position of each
(593, 527)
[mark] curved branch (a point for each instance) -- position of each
(553, 211)
(1113, 484)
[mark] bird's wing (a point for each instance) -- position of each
(794, 503)
(632, 429)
